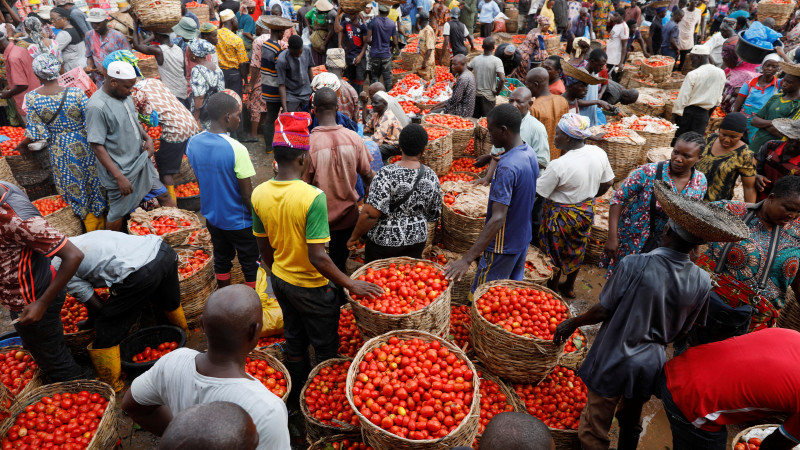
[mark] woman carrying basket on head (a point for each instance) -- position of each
(58, 115)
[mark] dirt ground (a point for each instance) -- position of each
(656, 434)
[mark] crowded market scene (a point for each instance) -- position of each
(400, 224)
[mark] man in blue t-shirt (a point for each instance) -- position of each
(224, 172)
(352, 38)
(382, 37)
(503, 243)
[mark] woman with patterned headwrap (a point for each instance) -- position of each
(331, 81)
(58, 115)
(207, 78)
(36, 43)
(569, 186)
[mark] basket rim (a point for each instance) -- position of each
(304, 408)
(740, 435)
(276, 364)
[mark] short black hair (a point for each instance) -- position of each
(325, 98)
(788, 186)
(506, 115)
(631, 23)
(295, 42)
(514, 430)
(286, 154)
(413, 139)
(556, 60)
(597, 54)
(220, 104)
(693, 137)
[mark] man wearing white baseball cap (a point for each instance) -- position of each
(700, 92)
(122, 146)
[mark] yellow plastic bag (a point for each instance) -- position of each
(270, 309)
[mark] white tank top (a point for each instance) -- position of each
(172, 71)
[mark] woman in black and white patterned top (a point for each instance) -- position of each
(403, 197)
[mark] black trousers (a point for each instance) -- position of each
(45, 341)
(273, 110)
(683, 54)
(156, 282)
(373, 251)
(694, 118)
(234, 82)
(486, 29)
(381, 67)
(231, 243)
(337, 247)
(483, 106)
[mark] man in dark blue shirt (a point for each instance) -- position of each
(382, 36)
(352, 38)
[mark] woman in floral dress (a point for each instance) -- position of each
(600, 12)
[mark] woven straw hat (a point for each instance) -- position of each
(791, 69)
(788, 127)
(276, 22)
(579, 74)
(710, 223)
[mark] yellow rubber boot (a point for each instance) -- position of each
(171, 190)
(177, 318)
(92, 222)
(106, 362)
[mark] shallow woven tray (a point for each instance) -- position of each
(434, 318)
(316, 430)
(381, 439)
(516, 358)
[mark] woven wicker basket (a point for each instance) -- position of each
(502, 38)
(185, 173)
(106, 435)
(35, 381)
(237, 276)
(37, 184)
(574, 359)
(352, 6)
(538, 258)
(623, 156)
(434, 318)
(438, 155)
(174, 238)
(778, 11)
(597, 244)
(740, 436)
(460, 232)
(516, 358)
(409, 60)
(157, 15)
(65, 220)
(380, 439)
(659, 74)
(5, 172)
(790, 314)
(326, 443)
(461, 289)
(511, 396)
(148, 67)
(654, 140)
(201, 12)
(21, 166)
(196, 288)
(552, 44)
(483, 143)
(77, 342)
(564, 439)
(461, 137)
(275, 364)
(315, 430)
(645, 109)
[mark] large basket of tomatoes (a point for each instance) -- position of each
(188, 196)
(463, 214)
(322, 401)
(623, 147)
(142, 349)
(496, 397)
(558, 401)
(463, 129)
(438, 155)
(60, 215)
(19, 373)
(658, 67)
(575, 351)
(76, 339)
(790, 314)
(93, 403)
(517, 349)
(750, 438)
(461, 289)
(404, 421)
(200, 10)
(409, 59)
(173, 225)
(270, 372)
(416, 297)
(196, 280)
(483, 143)
(341, 442)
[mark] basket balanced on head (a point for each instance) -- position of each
(378, 358)
(514, 350)
(320, 401)
(416, 297)
(157, 15)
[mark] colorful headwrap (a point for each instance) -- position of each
(201, 48)
(543, 20)
(144, 107)
(326, 79)
(46, 66)
(34, 28)
(125, 56)
(208, 28)
(291, 131)
(575, 126)
(233, 94)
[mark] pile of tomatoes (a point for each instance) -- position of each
(613, 130)
(557, 401)
(436, 89)
(470, 150)
(460, 322)
(450, 121)
(67, 421)
(659, 61)
(482, 122)
(138, 229)
(398, 71)
(395, 158)
(325, 397)
(166, 224)
(411, 47)
(409, 107)
(350, 340)
(16, 370)
(751, 444)
(49, 205)
(407, 287)
(152, 354)
(193, 5)
(525, 312)
(449, 198)
(189, 265)
(575, 342)
(493, 402)
(718, 113)
(443, 74)
(189, 189)
(465, 165)
(273, 379)
(269, 340)
(73, 312)
(436, 133)
(413, 389)
(348, 444)
(452, 176)
(15, 135)
(155, 135)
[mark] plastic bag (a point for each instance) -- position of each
(761, 36)
(270, 309)
(499, 26)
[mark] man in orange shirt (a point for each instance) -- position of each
(547, 108)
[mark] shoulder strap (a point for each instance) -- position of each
(60, 106)
(771, 252)
(659, 177)
(393, 206)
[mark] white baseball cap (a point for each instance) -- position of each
(121, 70)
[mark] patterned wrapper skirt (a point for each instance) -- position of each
(564, 232)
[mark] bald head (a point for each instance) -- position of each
(516, 431)
(374, 88)
(521, 99)
(458, 63)
(232, 319)
(537, 81)
(199, 428)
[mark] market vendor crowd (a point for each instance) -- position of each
(702, 252)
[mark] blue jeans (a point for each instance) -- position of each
(686, 436)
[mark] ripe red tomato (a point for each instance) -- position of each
(493, 402)
(349, 444)
(269, 340)
(15, 135)
(273, 379)
(350, 340)
(465, 164)
(525, 312)
(407, 287)
(450, 121)
(557, 401)
(47, 206)
(460, 322)
(189, 189)
(72, 312)
(149, 354)
(16, 370)
(189, 265)
(325, 397)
